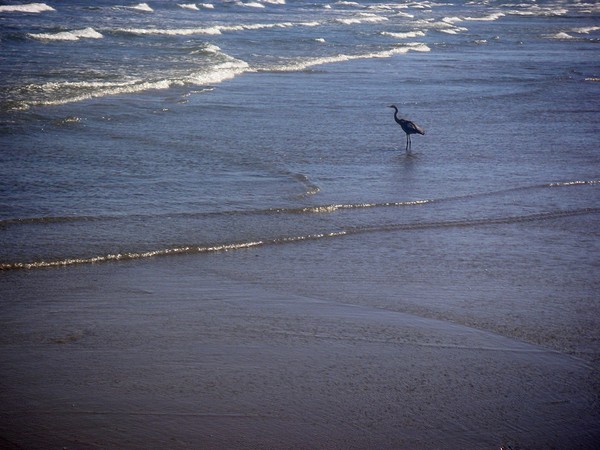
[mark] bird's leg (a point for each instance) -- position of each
(407, 142)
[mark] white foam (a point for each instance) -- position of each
(488, 18)
(192, 6)
(142, 7)
(303, 64)
(536, 10)
(27, 8)
(207, 5)
(219, 73)
(361, 18)
(214, 30)
(250, 4)
(211, 48)
(453, 30)
(75, 35)
(561, 35)
(452, 19)
(441, 26)
(407, 35)
(585, 30)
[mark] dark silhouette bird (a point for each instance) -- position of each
(408, 127)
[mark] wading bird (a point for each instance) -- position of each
(408, 127)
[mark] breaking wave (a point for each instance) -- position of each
(63, 92)
(75, 35)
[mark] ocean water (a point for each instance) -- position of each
(234, 129)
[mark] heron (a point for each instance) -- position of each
(408, 127)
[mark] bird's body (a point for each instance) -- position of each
(408, 127)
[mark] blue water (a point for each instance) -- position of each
(135, 131)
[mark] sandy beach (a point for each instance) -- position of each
(166, 354)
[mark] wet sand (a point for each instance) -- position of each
(161, 354)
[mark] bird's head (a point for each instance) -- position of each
(393, 106)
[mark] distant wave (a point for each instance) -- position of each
(361, 18)
(188, 6)
(585, 30)
(346, 3)
(212, 30)
(452, 19)
(75, 35)
(453, 30)
(405, 35)
(488, 18)
(560, 35)
(27, 8)
(250, 4)
(141, 7)
(535, 10)
(446, 25)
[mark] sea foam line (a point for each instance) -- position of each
(303, 64)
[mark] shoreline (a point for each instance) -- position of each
(168, 353)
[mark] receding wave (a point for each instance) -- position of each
(195, 249)
(27, 8)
